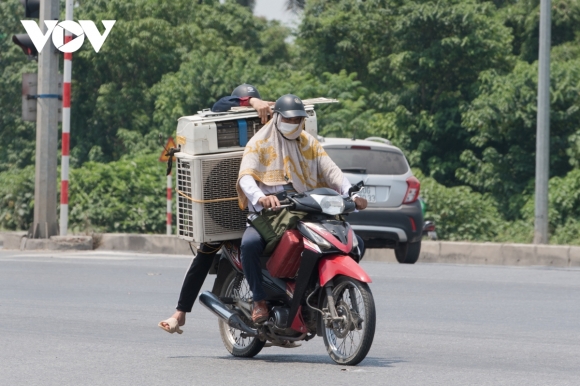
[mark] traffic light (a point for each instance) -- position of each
(31, 9)
(24, 42)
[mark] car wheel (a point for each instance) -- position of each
(408, 253)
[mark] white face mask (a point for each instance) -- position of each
(289, 130)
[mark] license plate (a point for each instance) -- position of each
(369, 193)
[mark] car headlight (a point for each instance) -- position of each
(330, 204)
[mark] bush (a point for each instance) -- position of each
(458, 212)
(17, 199)
(563, 209)
(122, 196)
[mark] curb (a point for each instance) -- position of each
(431, 251)
(160, 244)
(18, 240)
(142, 243)
(450, 252)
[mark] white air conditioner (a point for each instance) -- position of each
(208, 164)
(205, 178)
(208, 132)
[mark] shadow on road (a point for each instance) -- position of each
(322, 359)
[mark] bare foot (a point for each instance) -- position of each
(179, 315)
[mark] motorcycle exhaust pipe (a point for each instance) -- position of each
(215, 305)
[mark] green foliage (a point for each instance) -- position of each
(17, 199)
(420, 62)
(503, 122)
(459, 213)
(16, 137)
(121, 196)
(564, 208)
(451, 82)
(347, 118)
(161, 61)
(523, 17)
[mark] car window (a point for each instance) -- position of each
(369, 161)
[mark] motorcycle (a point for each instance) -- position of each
(313, 282)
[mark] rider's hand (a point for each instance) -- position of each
(262, 107)
(361, 203)
(269, 202)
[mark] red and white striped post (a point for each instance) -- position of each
(66, 88)
(169, 187)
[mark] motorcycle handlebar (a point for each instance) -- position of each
(280, 207)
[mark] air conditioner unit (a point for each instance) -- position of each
(206, 178)
(211, 148)
(208, 132)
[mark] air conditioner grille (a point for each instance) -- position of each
(228, 132)
(219, 181)
(184, 205)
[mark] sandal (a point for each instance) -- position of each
(172, 326)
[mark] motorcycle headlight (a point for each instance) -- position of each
(314, 237)
(330, 204)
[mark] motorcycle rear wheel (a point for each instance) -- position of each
(349, 343)
(236, 285)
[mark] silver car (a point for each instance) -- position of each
(393, 218)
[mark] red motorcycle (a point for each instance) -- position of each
(313, 283)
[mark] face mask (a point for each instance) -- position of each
(289, 130)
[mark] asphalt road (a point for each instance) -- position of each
(91, 319)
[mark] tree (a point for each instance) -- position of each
(503, 121)
(295, 5)
(116, 91)
(523, 18)
(247, 3)
(17, 138)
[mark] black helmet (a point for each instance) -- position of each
(290, 106)
(246, 90)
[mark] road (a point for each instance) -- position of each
(91, 319)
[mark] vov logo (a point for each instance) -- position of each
(56, 29)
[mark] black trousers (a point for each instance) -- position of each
(196, 275)
(252, 248)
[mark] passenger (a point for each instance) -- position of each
(243, 95)
(281, 156)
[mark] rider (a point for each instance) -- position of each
(243, 95)
(281, 156)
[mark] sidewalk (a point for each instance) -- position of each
(431, 251)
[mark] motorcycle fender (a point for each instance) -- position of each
(334, 265)
(223, 271)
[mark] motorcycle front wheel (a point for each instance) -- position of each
(236, 286)
(349, 341)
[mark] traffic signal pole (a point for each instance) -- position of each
(66, 91)
(543, 127)
(45, 221)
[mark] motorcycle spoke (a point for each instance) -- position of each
(349, 343)
(240, 290)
